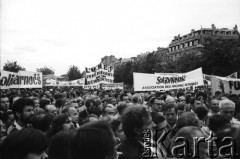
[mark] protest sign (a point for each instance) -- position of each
(99, 74)
(207, 79)
(151, 82)
(226, 85)
(52, 82)
(22, 79)
(92, 86)
(109, 86)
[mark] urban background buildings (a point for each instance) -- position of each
(180, 45)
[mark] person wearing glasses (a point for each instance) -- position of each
(156, 104)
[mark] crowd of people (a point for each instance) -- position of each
(60, 123)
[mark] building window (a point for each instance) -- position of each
(186, 45)
(190, 43)
(195, 42)
(196, 34)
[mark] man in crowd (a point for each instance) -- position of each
(156, 104)
(4, 104)
(91, 108)
(22, 111)
(51, 110)
(109, 111)
(137, 99)
(170, 113)
(124, 98)
(73, 113)
(213, 107)
(227, 108)
(135, 120)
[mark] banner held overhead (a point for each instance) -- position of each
(155, 82)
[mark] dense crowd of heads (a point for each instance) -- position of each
(70, 123)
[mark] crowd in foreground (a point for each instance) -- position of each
(98, 124)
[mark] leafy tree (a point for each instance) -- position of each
(188, 62)
(124, 73)
(12, 66)
(73, 73)
(220, 56)
(45, 70)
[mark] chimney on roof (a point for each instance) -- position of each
(213, 27)
(235, 28)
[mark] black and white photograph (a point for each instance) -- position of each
(119, 79)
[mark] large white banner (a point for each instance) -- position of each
(53, 82)
(109, 86)
(151, 82)
(99, 74)
(226, 85)
(22, 79)
(92, 86)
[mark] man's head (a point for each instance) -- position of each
(109, 110)
(156, 104)
(135, 120)
(124, 98)
(23, 110)
(182, 99)
(214, 105)
(4, 103)
(170, 100)
(112, 100)
(137, 99)
(51, 110)
(218, 123)
(36, 102)
(227, 108)
(73, 113)
(170, 113)
(92, 107)
(196, 104)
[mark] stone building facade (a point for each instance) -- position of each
(194, 40)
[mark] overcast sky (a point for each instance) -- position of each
(60, 33)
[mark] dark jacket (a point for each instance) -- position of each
(131, 149)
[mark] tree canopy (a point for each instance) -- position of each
(12, 66)
(74, 73)
(218, 57)
(45, 70)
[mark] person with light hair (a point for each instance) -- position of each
(227, 108)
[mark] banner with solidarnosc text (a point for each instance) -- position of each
(152, 82)
(22, 79)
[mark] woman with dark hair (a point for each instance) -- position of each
(25, 144)
(61, 122)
